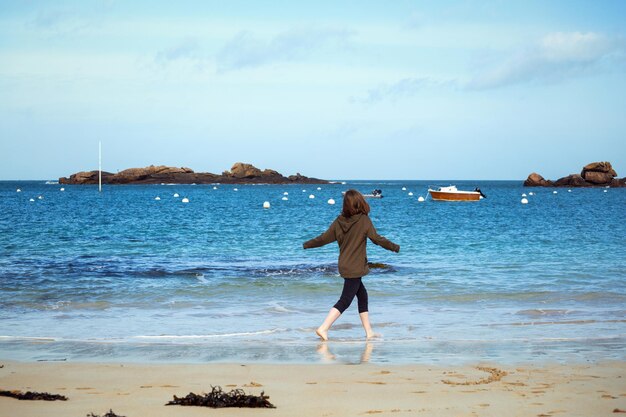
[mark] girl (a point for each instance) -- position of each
(350, 230)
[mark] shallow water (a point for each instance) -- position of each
(119, 275)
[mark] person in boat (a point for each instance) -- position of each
(351, 230)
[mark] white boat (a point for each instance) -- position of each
(451, 193)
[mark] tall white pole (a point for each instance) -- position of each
(100, 166)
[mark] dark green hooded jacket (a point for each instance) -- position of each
(351, 234)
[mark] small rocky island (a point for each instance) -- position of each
(240, 173)
(595, 174)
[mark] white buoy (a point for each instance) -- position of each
(420, 199)
(410, 193)
(62, 189)
(531, 193)
(523, 195)
(554, 192)
(304, 191)
(266, 205)
(40, 197)
(331, 201)
(214, 187)
(343, 183)
(157, 198)
(403, 188)
(311, 196)
(319, 188)
(605, 191)
(524, 201)
(285, 198)
(31, 200)
(569, 191)
(176, 195)
(285, 193)
(185, 200)
(235, 189)
(18, 191)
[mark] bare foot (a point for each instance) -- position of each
(372, 335)
(323, 334)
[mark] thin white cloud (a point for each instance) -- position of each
(69, 20)
(404, 88)
(185, 49)
(246, 50)
(555, 57)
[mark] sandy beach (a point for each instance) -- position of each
(320, 390)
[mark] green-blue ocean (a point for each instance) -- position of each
(121, 275)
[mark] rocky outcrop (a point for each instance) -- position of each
(240, 173)
(536, 180)
(85, 177)
(604, 167)
(595, 174)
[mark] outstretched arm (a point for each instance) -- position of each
(373, 235)
(323, 239)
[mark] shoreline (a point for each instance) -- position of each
(338, 351)
(484, 389)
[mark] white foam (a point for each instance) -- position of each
(37, 338)
(205, 336)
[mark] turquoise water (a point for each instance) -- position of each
(119, 275)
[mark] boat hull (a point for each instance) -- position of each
(452, 196)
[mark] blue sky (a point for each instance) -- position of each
(355, 90)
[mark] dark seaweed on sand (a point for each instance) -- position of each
(109, 414)
(29, 395)
(220, 399)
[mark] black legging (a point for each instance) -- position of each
(352, 287)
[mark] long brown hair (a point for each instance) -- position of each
(354, 203)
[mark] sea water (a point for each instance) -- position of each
(119, 275)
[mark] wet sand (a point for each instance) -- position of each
(137, 390)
